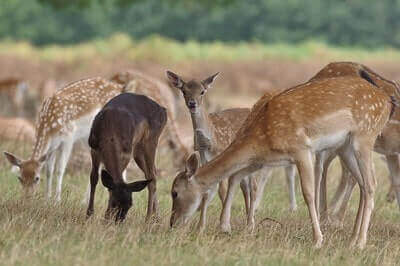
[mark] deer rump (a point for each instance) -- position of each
(127, 119)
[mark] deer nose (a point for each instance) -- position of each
(192, 104)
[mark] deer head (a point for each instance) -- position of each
(193, 91)
(29, 170)
(120, 195)
(186, 192)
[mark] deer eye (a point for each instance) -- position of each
(174, 194)
(202, 92)
(36, 180)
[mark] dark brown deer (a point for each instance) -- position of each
(129, 125)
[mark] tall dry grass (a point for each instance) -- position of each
(39, 232)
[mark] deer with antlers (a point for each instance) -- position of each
(290, 129)
(386, 143)
(64, 118)
(213, 133)
(128, 126)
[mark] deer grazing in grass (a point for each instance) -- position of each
(290, 129)
(137, 82)
(387, 142)
(64, 118)
(15, 91)
(128, 126)
(213, 133)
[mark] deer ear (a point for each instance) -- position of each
(13, 159)
(175, 80)
(208, 81)
(107, 179)
(192, 164)
(138, 186)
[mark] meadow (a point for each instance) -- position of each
(36, 231)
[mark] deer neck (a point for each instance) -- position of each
(40, 146)
(201, 122)
(237, 157)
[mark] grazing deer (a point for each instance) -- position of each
(17, 129)
(128, 126)
(15, 91)
(137, 82)
(64, 118)
(386, 143)
(289, 129)
(213, 133)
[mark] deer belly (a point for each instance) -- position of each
(83, 125)
(328, 141)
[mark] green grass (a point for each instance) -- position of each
(38, 232)
(162, 49)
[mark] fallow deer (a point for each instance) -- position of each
(15, 91)
(16, 129)
(213, 133)
(386, 143)
(289, 129)
(128, 126)
(64, 118)
(137, 82)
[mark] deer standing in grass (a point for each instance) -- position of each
(64, 118)
(137, 82)
(290, 129)
(128, 126)
(387, 142)
(213, 133)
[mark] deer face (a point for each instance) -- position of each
(193, 91)
(120, 195)
(28, 171)
(186, 193)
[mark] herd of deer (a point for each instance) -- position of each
(345, 110)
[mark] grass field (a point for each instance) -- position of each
(38, 232)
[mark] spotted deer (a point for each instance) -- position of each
(291, 128)
(15, 91)
(64, 118)
(213, 133)
(16, 129)
(129, 125)
(137, 82)
(386, 143)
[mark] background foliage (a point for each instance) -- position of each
(367, 23)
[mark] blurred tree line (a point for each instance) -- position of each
(368, 23)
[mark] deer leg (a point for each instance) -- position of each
(144, 158)
(49, 173)
(94, 178)
(223, 190)
(203, 209)
(323, 160)
(342, 196)
(394, 168)
(290, 172)
(226, 211)
(65, 153)
(246, 186)
(257, 190)
(304, 162)
(364, 160)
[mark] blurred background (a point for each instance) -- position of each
(257, 45)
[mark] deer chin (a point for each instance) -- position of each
(194, 110)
